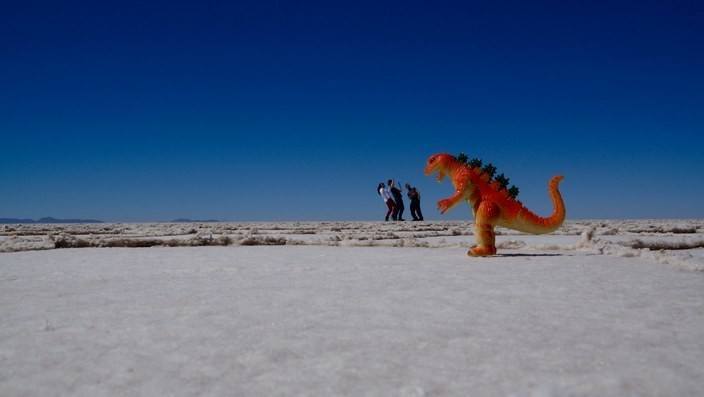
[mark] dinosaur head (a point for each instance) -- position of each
(439, 163)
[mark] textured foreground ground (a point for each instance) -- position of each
(322, 320)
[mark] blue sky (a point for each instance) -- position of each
(296, 110)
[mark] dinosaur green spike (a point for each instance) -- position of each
(475, 163)
(489, 169)
(503, 181)
(462, 158)
(513, 192)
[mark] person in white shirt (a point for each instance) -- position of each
(385, 194)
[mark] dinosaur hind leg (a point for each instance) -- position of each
(485, 216)
(485, 240)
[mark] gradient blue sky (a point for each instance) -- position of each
(296, 110)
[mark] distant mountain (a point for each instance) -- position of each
(48, 219)
(16, 220)
(55, 220)
(186, 220)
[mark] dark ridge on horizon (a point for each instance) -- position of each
(47, 219)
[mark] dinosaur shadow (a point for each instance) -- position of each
(527, 255)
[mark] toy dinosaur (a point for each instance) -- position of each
(491, 203)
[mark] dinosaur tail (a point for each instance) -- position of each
(527, 221)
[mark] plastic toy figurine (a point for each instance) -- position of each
(491, 203)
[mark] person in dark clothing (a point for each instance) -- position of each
(398, 199)
(414, 196)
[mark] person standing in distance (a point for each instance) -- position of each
(398, 198)
(386, 196)
(414, 196)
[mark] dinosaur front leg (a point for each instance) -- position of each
(485, 217)
(446, 204)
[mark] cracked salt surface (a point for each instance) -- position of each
(672, 242)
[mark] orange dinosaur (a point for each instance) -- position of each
(491, 203)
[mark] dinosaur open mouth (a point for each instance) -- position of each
(433, 167)
(429, 170)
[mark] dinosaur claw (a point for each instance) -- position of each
(443, 206)
(482, 250)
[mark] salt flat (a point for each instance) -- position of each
(575, 313)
